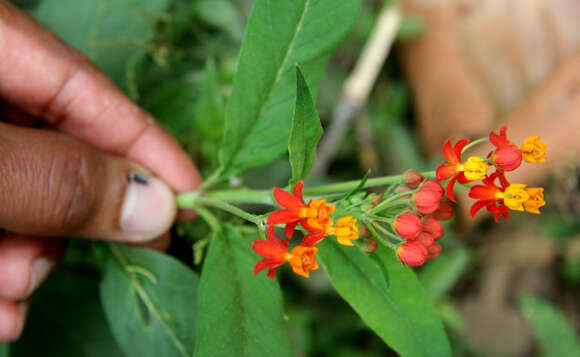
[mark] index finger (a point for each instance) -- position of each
(52, 81)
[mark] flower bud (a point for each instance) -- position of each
(444, 212)
(428, 198)
(432, 227)
(412, 253)
(433, 251)
(425, 239)
(408, 225)
(507, 158)
(412, 179)
(370, 246)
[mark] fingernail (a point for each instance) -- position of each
(149, 208)
(40, 270)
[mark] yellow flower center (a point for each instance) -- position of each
(514, 196)
(345, 231)
(475, 168)
(317, 214)
(533, 150)
(302, 260)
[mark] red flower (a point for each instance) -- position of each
(412, 253)
(453, 169)
(407, 225)
(428, 198)
(490, 196)
(275, 253)
(314, 216)
(507, 156)
(432, 227)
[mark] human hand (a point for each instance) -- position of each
(89, 172)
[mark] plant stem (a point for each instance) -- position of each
(349, 185)
(473, 143)
(265, 197)
(195, 201)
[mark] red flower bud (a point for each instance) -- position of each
(432, 227)
(412, 253)
(408, 225)
(428, 198)
(425, 239)
(412, 179)
(433, 251)
(507, 158)
(444, 212)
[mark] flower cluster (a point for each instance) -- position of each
(315, 217)
(496, 194)
(407, 216)
(420, 227)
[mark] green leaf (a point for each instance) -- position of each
(555, 335)
(221, 14)
(150, 302)
(241, 315)
(279, 35)
(441, 274)
(305, 132)
(115, 34)
(401, 314)
(66, 318)
(173, 103)
(358, 187)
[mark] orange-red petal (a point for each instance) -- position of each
(445, 171)
(298, 191)
(282, 216)
(287, 200)
(311, 239)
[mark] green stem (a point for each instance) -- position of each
(349, 185)
(209, 218)
(224, 206)
(265, 197)
(388, 202)
(473, 143)
(379, 237)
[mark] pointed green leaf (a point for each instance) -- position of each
(401, 314)
(150, 302)
(305, 132)
(555, 335)
(240, 315)
(279, 35)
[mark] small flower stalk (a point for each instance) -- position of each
(408, 216)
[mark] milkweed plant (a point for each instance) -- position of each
(365, 236)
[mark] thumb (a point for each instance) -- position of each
(52, 184)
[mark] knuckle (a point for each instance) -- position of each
(71, 197)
